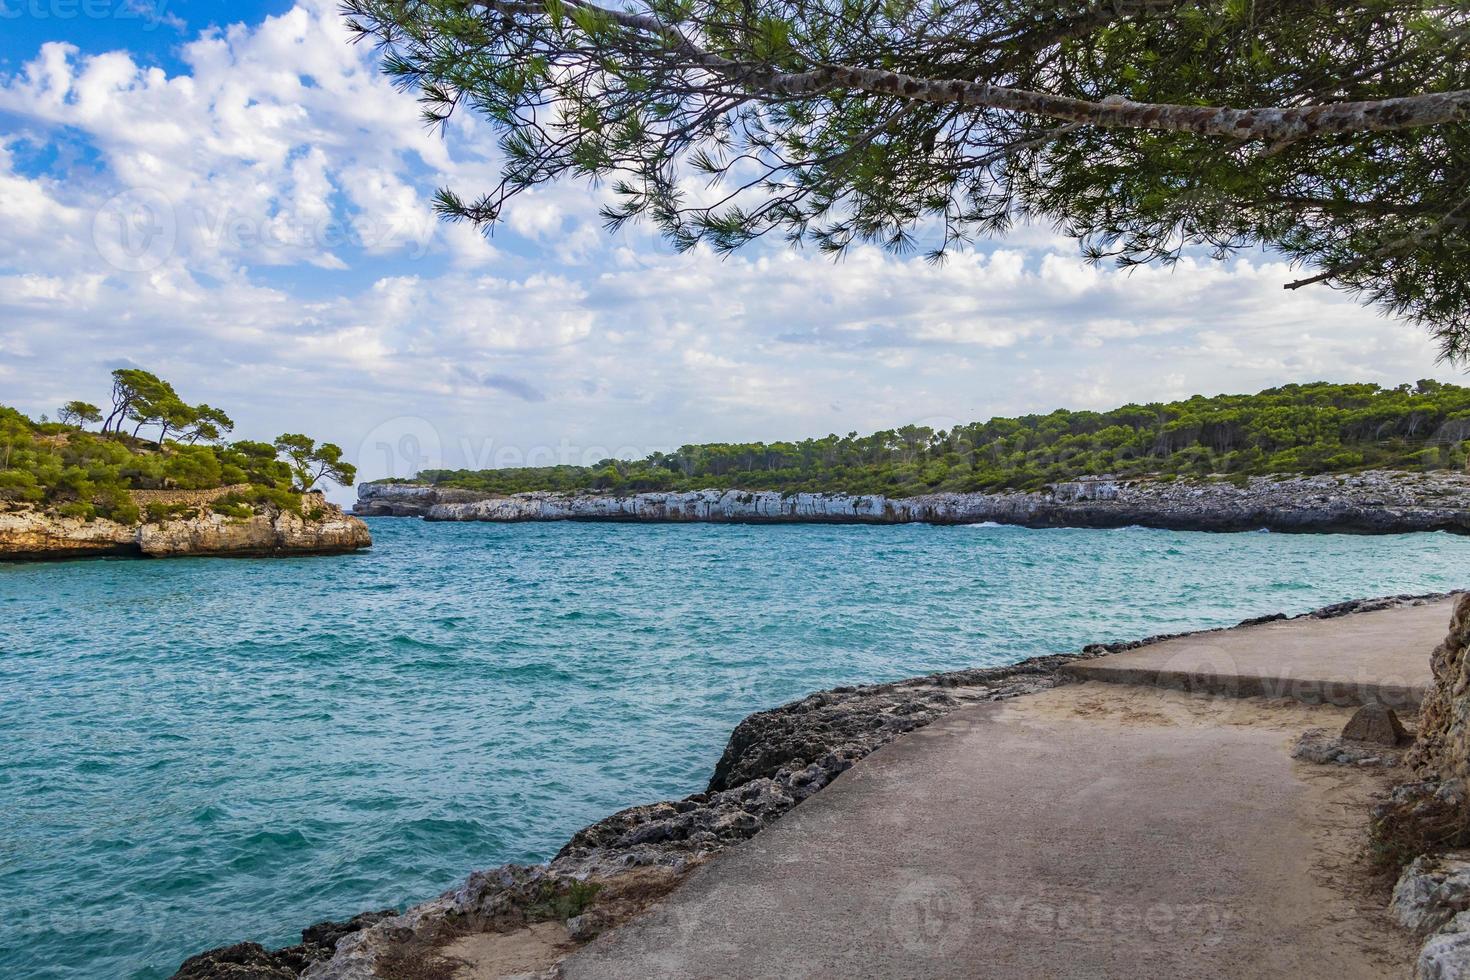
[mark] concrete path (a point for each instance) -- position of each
(1096, 830)
(1351, 660)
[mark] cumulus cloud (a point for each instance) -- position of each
(258, 227)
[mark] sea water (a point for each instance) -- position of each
(199, 751)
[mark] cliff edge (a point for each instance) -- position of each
(1373, 502)
(190, 528)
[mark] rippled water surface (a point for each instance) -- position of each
(200, 751)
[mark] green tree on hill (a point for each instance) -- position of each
(1313, 428)
(79, 473)
(78, 413)
(311, 463)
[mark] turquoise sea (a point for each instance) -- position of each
(201, 751)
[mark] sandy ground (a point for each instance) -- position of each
(491, 955)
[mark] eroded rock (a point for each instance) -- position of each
(252, 961)
(581, 928)
(1433, 889)
(1442, 750)
(1377, 725)
(1369, 502)
(1320, 746)
(31, 534)
(1446, 956)
(242, 961)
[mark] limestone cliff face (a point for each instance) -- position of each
(30, 534)
(1443, 746)
(1373, 502)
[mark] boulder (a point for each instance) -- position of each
(1446, 956)
(1376, 724)
(586, 926)
(1322, 747)
(1433, 889)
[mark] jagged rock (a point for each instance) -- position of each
(586, 926)
(1433, 889)
(325, 935)
(1370, 502)
(242, 961)
(1446, 956)
(1442, 750)
(251, 961)
(1320, 746)
(1375, 724)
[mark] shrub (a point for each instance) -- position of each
(283, 500)
(564, 901)
(158, 513)
(20, 485)
(233, 506)
(117, 504)
(77, 508)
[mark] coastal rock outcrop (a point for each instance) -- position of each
(252, 961)
(1370, 503)
(322, 528)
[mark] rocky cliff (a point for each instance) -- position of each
(1443, 748)
(1368, 503)
(27, 534)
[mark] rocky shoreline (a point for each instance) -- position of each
(1374, 502)
(322, 528)
(774, 760)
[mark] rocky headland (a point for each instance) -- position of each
(1374, 502)
(189, 525)
(611, 870)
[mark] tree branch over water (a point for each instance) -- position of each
(1335, 134)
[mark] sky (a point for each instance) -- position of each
(232, 196)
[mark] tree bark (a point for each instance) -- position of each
(1272, 124)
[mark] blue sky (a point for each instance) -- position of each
(231, 195)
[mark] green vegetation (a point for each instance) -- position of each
(1311, 428)
(1334, 133)
(65, 468)
(563, 899)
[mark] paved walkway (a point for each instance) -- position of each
(1351, 660)
(1097, 830)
